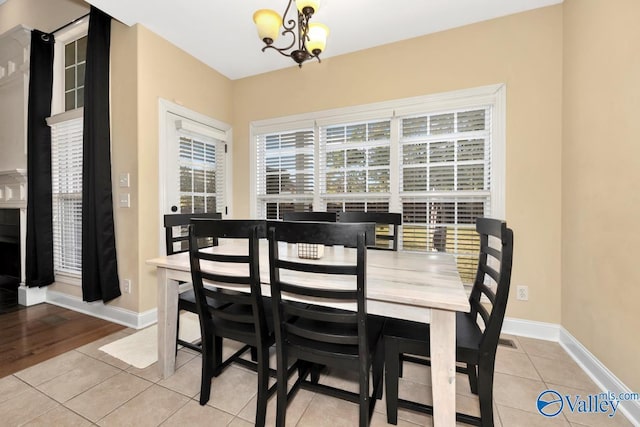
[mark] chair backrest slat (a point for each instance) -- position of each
(310, 216)
(392, 220)
(223, 257)
(494, 272)
(317, 268)
(337, 294)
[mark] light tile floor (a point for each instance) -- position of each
(86, 387)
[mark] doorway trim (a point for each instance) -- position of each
(165, 108)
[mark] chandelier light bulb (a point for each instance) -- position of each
(268, 23)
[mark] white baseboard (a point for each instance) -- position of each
(98, 309)
(31, 296)
(603, 377)
(531, 329)
(600, 374)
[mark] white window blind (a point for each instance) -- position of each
(285, 177)
(445, 182)
(202, 172)
(66, 177)
(437, 159)
(355, 166)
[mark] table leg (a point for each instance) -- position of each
(443, 367)
(167, 323)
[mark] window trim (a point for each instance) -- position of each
(75, 31)
(223, 131)
(467, 98)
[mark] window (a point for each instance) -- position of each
(286, 179)
(355, 165)
(75, 55)
(202, 171)
(66, 150)
(439, 160)
(445, 182)
(66, 177)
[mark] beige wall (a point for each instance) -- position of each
(164, 71)
(523, 51)
(43, 15)
(600, 175)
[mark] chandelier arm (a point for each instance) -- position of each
(280, 50)
(303, 27)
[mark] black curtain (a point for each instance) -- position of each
(99, 264)
(39, 248)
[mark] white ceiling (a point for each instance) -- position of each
(221, 33)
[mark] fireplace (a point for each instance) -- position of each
(9, 258)
(13, 210)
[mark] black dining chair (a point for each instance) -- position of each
(387, 226)
(241, 314)
(316, 334)
(310, 216)
(176, 241)
(476, 340)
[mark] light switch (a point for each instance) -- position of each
(124, 201)
(123, 179)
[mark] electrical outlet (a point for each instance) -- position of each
(126, 286)
(522, 293)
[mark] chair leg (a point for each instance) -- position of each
(315, 373)
(392, 367)
(217, 355)
(364, 394)
(177, 330)
(281, 407)
(485, 392)
(254, 354)
(473, 378)
(263, 386)
(378, 369)
(208, 370)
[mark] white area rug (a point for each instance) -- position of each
(140, 349)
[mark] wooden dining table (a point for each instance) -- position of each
(415, 286)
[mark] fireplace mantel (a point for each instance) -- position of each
(13, 188)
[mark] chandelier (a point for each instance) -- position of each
(307, 40)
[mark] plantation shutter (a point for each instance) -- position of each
(445, 182)
(202, 168)
(285, 172)
(66, 177)
(355, 165)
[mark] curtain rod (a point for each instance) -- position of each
(69, 24)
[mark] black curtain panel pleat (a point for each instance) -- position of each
(99, 265)
(39, 244)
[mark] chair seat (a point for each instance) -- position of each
(346, 351)
(187, 301)
(244, 332)
(414, 337)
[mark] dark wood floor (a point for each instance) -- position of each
(30, 335)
